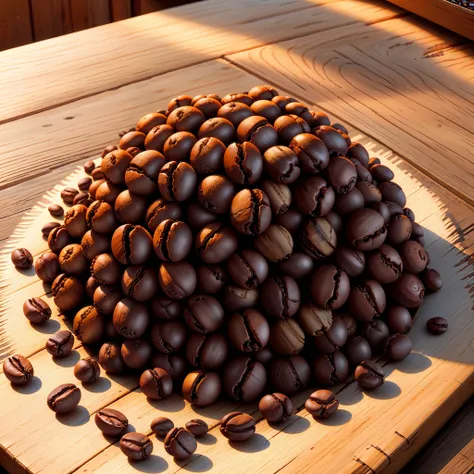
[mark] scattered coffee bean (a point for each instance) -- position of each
(36, 310)
(369, 375)
(161, 426)
(237, 426)
(322, 404)
(197, 427)
(60, 344)
(64, 398)
(276, 408)
(136, 446)
(180, 443)
(111, 422)
(22, 259)
(437, 325)
(18, 369)
(56, 210)
(87, 371)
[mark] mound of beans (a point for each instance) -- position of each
(236, 246)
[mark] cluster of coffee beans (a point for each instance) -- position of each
(228, 246)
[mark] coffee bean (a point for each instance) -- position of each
(56, 210)
(250, 212)
(237, 426)
(197, 427)
(357, 349)
(156, 384)
(215, 243)
(89, 166)
(110, 358)
(330, 369)
(408, 291)
(136, 446)
(131, 244)
(87, 371)
(432, 280)
(375, 332)
(244, 379)
(385, 264)
(161, 426)
(67, 292)
(111, 422)
(140, 282)
(366, 229)
(399, 319)
(369, 375)
(173, 363)
(177, 279)
(64, 398)
(276, 408)
(322, 404)
(18, 369)
(180, 443)
(248, 331)
(68, 195)
(173, 172)
(58, 239)
(89, 325)
(60, 344)
(131, 318)
(330, 287)
(136, 353)
(22, 259)
(36, 310)
(367, 300)
(280, 297)
(206, 351)
(398, 346)
(314, 197)
(202, 388)
(48, 227)
(243, 163)
(437, 325)
(318, 238)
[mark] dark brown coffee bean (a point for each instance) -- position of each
(177, 279)
(330, 369)
(174, 364)
(250, 212)
(289, 375)
(58, 239)
(322, 404)
(47, 267)
(67, 292)
(237, 426)
(110, 358)
(276, 408)
(357, 349)
(437, 325)
(156, 384)
(136, 446)
(56, 210)
(399, 319)
(414, 256)
(180, 443)
(215, 193)
(314, 197)
(68, 195)
(280, 297)
(369, 375)
(397, 346)
(248, 268)
(408, 291)
(208, 106)
(89, 166)
(330, 287)
(258, 131)
(161, 426)
(207, 351)
(298, 265)
(366, 229)
(367, 300)
(281, 164)
(275, 244)
(48, 227)
(318, 238)
(197, 427)
(64, 398)
(60, 344)
(350, 260)
(207, 156)
(87, 371)
(202, 388)
(111, 422)
(243, 163)
(18, 369)
(89, 325)
(385, 264)
(432, 280)
(36, 310)
(22, 259)
(248, 331)
(287, 337)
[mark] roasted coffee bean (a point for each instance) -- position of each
(136, 353)
(237, 97)
(289, 375)
(332, 339)
(322, 404)
(211, 279)
(208, 106)
(58, 238)
(392, 192)
(350, 260)
(298, 265)
(280, 297)
(180, 443)
(156, 384)
(258, 131)
(276, 408)
(89, 166)
(288, 128)
(67, 292)
(385, 264)
(136, 446)
(357, 349)
(168, 336)
(149, 121)
(173, 363)
(207, 156)
(238, 299)
(250, 212)
(314, 197)
(111, 422)
(218, 127)
(36, 310)
(105, 269)
(60, 344)
(397, 346)
(47, 267)
(186, 118)
(399, 230)
(22, 259)
(56, 210)
(72, 261)
(105, 298)
(314, 321)
(161, 426)
(330, 287)
(275, 244)
(318, 238)
(179, 101)
(197, 427)
(244, 379)
(330, 369)
(48, 227)
(68, 195)
(398, 319)
(64, 398)
(110, 358)
(18, 369)
(202, 388)
(215, 193)
(87, 371)
(312, 153)
(367, 300)
(178, 148)
(131, 244)
(166, 308)
(437, 325)
(341, 174)
(237, 426)
(139, 282)
(177, 280)
(248, 268)
(157, 137)
(131, 318)
(366, 229)
(281, 164)
(333, 140)
(414, 256)
(408, 291)
(243, 163)
(89, 325)
(280, 197)
(369, 375)
(175, 172)
(248, 331)
(432, 280)
(203, 314)
(287, 337)
(206, 351)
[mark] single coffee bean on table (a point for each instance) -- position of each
(161, 426)
(276, 407)
(180, 443)
(64, 399)
(322, 404)
(237, 426)
(111, 422)
(136, 446)
(197, 427)
(437, 325)
(18, 369)
(22, 259)
(36, 310)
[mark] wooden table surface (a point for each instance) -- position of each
(400, 82)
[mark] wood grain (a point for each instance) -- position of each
(143, 47)
(444, 13)
(15, 26)
(120, 9)
(383, 80)
(51, 18)
(451, 450)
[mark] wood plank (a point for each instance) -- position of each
(205, 30)
(448, 358)
(444, 13)
(99, 12)
(120, 9)
(15, 25)
(383, 80)
(51, 18)
(80, 15)
(451, 450)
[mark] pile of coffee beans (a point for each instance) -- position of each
(233, 246)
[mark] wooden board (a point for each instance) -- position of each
(60, 70)
(382, 78)
(15, 26)
(373, 432)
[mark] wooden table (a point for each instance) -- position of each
(404, 87)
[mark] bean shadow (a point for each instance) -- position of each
(32, 386)
(255, 444)
(154, 464)
(341, 417)
(69, 361)
(101, 385)
(51, 326)
(387, 391)
(196, 463)
(414, 363)
(207, 439)
(80, 416)
(172, 404)
(297, 424)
